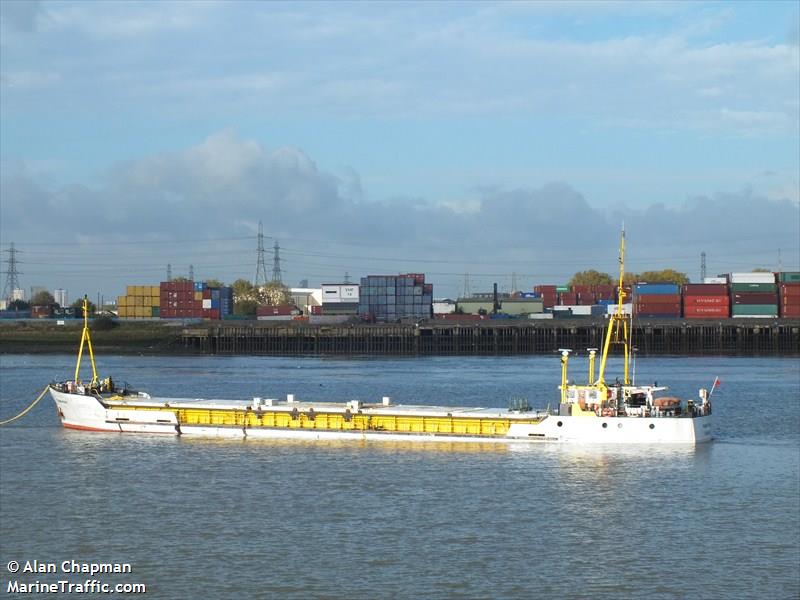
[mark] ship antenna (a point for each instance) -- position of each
(86, 339)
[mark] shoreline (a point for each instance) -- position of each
(674, 337)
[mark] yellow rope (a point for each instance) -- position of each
(25, 412)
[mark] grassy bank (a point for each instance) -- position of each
(46, 336)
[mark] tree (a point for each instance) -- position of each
(245, 307)
(43, 298)
(78, 306)
(18, 305)
(663, 276)
(275, 294)
(591, 277)
(243, 290)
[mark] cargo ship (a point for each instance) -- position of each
(595, 412)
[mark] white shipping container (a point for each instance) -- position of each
(576, 309)
(206, 302)
(715, 280)
(540, 316)
(626, 309)
(752, 277)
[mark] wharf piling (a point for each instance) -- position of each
(667, 337)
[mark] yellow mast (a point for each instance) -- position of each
(86, 338)
(617, 322)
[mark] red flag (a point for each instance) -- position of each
(717, 383)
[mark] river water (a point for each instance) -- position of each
(293, 519)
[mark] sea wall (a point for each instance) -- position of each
(668, 337)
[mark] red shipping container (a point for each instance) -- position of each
(586, 298)
(316, 310)
(706, 301)
(754, 298)
(790, 311)
(705, 289)
(272, 311)
(658, 308)
(658, 298)
(702, 312)
(790, 289)
(603, 288)
(567, 298)
(544, 289)
(581, 289)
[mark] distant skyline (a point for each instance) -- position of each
(494, 139)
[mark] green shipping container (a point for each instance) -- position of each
(754, 309)
(563, 288)
(754, 287)
(790, 277)
(155, 312)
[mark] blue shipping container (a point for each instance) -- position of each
(641, 289)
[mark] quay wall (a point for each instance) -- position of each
(754, 337)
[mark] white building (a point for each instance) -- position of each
(339, 293)
(60, 297)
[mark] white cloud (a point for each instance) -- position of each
(223, 186)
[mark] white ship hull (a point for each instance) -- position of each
(159, 416)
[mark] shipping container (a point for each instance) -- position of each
(720, 280)
(656, 289)
(754, 287)
(739, 310)
(567, 298)
(754, 298)
(789, 290)
(790, 311)
(705, 289)
(789, 277)
(706, 301)
(657, 299)
(752, 278)
(706, 312)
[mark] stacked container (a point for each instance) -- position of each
(179, 299)
(604, 292)
(753, 295)
(217, 303)
(657, 300)
(388, 298)
(548, 293)
(139, 302)
(789, 295)
(706, 301)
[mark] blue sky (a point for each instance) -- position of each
(451, 138)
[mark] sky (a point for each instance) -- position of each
(473, 142)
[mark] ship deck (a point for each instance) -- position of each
(377, 409)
